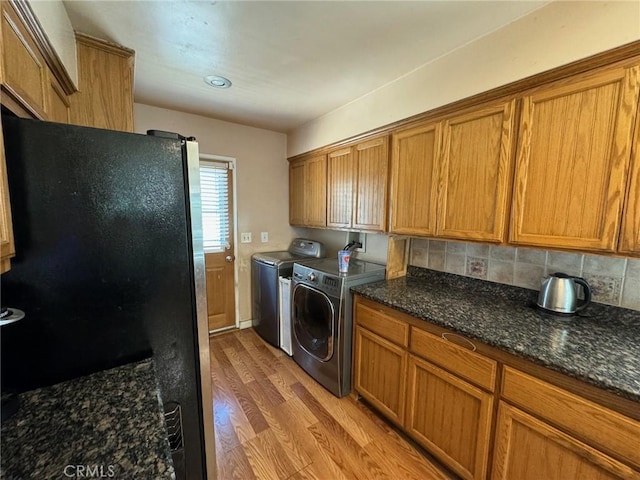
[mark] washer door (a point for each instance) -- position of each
(312, 316)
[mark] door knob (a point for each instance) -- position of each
(229, 258)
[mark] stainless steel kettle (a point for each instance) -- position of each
(559, 294)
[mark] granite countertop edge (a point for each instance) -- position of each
(424, 295)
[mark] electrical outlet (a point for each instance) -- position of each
(245, 237)
(264, 237)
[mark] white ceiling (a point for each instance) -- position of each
(289, 61)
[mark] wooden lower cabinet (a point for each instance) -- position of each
(380, 373)
(480, 415)
(449, 417)
(529, 449)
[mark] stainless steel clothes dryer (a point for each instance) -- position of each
(322, 318)
(266, 270)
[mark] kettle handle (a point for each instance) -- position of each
(587, 293)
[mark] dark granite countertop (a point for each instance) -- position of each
(600, 347)
(106, 425)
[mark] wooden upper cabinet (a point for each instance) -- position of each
(296, 192)
(357, 179)
(316, 191)
(308, 191)
(476, 174)
(7, 246)
(414, 180)
(58, 106)
(105, 83)
(371, 175)
(630, 234)
(340, 186)
(24, 73)
(572, 161)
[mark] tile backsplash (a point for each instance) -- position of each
(614, 280)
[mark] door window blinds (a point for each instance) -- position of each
(214, 184)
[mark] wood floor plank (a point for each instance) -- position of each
(234, 465)
(257, 371)
(346, 451)
(267, 457)
(282, 428)
(244, 401)
(227, 404)
(282, 368)
(395, 464)
(236, 361)
(354, 462)
(273, 421)
(282, 386)
(251, 344)
(225, 433)
(299, 411)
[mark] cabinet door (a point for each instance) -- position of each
(296, 192)
(340, 170)
(574, 150)
(24, 78)
(371, 165)
(105, 82)
(476, 173)
(7, 248)
(414, 180)
(315, 194)
(58, 104)
(380, 369)
(630, 235)
(449, 417)
(529, 449)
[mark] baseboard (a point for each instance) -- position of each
(245, 324)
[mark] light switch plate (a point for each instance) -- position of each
(264, 237)
(245, 237)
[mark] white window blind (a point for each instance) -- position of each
(214, 185)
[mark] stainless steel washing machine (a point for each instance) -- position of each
(322, 318)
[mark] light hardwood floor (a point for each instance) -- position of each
(273, 421)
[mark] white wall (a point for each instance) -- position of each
(262, 179)
(55, 22)
(554, 35)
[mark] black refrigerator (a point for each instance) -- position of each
(109, 266)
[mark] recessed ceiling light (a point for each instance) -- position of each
(217, 81)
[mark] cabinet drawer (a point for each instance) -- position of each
(472, 366)
(610, 431)
(378, 322)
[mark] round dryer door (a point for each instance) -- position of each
(312, 317)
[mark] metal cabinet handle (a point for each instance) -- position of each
(446, 335)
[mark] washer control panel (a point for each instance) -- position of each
(321, 280)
